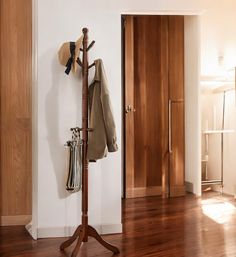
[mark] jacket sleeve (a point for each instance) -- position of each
(107, 114)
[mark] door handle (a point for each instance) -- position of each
(129, 108)
(176, 101)
(170, 126)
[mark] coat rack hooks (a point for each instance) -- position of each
(90, 45)
(79, 62)
(84, 230)
(91, 65)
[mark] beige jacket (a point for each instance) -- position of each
(103, 136)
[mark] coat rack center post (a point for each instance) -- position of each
(84, 230)
(85, 137)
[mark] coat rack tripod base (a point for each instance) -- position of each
(82, 236)
(84, 230)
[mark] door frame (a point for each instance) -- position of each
(192, 98)
(33, 226)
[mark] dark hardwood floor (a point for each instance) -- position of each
(153, 227)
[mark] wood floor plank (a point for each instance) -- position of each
(153, 227)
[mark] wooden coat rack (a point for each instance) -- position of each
(84, 230)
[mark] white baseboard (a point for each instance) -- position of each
(188, 187)
(68, 231)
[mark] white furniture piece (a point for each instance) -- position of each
(208, 133)
(223, 88)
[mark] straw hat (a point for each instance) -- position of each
(69, 53)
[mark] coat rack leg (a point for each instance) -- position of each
(93, 233)
(80, 236)
(71, 240)
(79, 242)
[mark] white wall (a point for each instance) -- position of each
(219, 39)
(33, 227)
(59, 107)
(192, 104)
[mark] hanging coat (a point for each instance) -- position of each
(102, 138)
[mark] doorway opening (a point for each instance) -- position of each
(156, 127)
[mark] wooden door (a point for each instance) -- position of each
(15, 111)
(146, 99)
(129, 103)
(150, 82)
(176, 99)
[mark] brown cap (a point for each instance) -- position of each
(69, 53)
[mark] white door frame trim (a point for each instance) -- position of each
(33, 226)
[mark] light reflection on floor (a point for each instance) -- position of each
(218, 209)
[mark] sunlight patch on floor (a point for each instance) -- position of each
(218, 210)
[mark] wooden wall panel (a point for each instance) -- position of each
(176, 57)
(140, 125)
(156, 100)
(150, 144)
(176, 95)
(177, 185)
(154, 107)
(129, 100)
(15, 114)
(164, 103)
